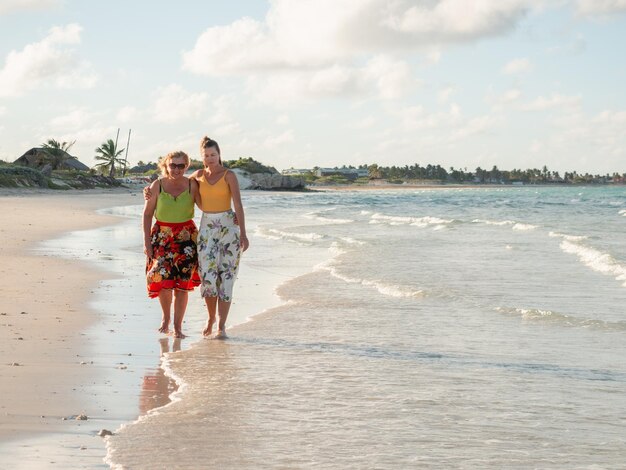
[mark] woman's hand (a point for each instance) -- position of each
(147, 194)
(147, 249)
(244, 243)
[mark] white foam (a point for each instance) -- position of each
(595, 259)
(622, 212)
(405, 220)
(571, 238)
(316, 215)
(536, 314)
(352, 241)
(391, 290)
(493, 222)
(520, 226)
(273, 234)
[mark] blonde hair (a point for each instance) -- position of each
(164, 161)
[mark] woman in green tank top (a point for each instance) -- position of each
(170, 244)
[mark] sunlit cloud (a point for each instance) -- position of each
(517, 66)
(173, 103)
(11, 6)
(600, 7)
(49, 63)
(553, 101)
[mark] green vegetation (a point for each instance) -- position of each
(16, 176)
(108, 154)
(250, 165)
(57, 152)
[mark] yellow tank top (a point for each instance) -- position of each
(215, 197)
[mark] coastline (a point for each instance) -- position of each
(88, 343)
(45, 312)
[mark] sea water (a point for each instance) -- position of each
(445, 328)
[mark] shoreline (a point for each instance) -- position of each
(46, 313)
(92, 349)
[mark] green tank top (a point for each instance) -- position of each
(174, 209)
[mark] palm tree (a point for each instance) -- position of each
(58, 152)
(108, 155)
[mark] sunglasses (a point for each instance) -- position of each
(180, 166)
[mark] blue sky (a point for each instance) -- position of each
(512, 83)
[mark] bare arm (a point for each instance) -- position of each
(195, 188)
(148, 213)
(231, 179)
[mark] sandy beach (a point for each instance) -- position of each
(79, 334)
(44, 310)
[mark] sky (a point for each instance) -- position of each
(305, 83)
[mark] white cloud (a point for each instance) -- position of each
(280, 139)
(553, 101)
(504, 99)
(128, 114)
(47, 63)
(293, 36)
(74, 119)
(392, 78)
(444, 94)
(283, 119)
(517, 66)
(415, 118)
(366, 123)
(600, 7)
(10, 6)
(174, 103)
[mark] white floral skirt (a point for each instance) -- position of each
(218, 254)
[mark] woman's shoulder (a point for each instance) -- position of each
(198, 174)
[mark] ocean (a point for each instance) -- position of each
(413, 328)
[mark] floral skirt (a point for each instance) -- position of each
(218, 254)
(174, 262)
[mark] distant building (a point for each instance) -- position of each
(38, 157)
(351, 173)
(296, 171)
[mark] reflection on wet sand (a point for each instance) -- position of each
(157, 387)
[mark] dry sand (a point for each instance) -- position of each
(43, 307)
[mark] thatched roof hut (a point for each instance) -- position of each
(38, 157)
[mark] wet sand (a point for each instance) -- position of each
(78, 332)
(44, 313)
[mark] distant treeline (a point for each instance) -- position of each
(480, 175)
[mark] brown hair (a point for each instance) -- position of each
(164, 161)
(206, 143)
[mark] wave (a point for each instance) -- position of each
(273, 234)
(571, 238)
(390, 290)
(595, 259)
(622, 212)
(520, 226)
(494, 222)
(316, 215)
(352, 241)
(514, 225)
(534, 314)
(405, 220)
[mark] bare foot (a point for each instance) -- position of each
(164, 328)
(179, 334)
(221, 334)
(208, 329)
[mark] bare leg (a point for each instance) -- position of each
(180, 305)
(223, 308)
(165, 299)
(211, 305)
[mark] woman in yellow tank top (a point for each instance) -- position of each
(170, 245)
(222, 235)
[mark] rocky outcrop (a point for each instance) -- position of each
(269, 181)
